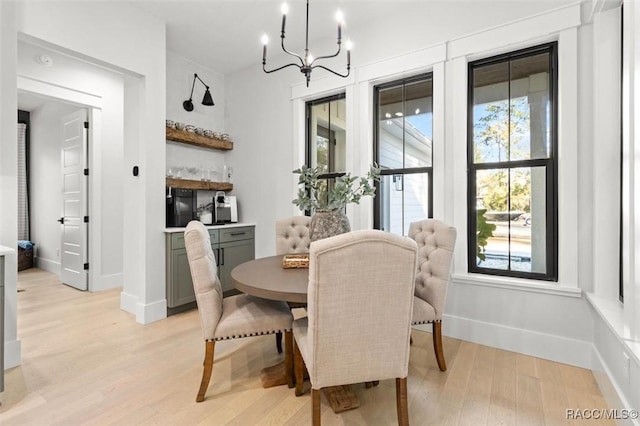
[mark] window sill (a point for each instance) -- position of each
(612, 314)
(518, 284)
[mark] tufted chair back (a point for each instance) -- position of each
(436, 241)
(204, 276)
(292, 235)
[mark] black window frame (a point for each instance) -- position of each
(329, 177)
(376, 147)
(550, 164)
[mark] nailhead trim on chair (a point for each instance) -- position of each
(262, 333)
(422, 322)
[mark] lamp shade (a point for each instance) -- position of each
(207, 99)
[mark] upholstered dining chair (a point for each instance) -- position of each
(292, 237)
(436, 241)
(230, 317)
(359, 305)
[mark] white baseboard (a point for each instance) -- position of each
(12, 354)
(609, 387)
(128, 302)
(151, 312)
(145, 314)
(541, 345)
(47, 265)
(106, 282)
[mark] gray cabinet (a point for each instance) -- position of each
(231, 246)
(237, 245)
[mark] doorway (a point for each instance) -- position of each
(57, 199)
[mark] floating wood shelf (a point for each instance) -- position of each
(197, 140)
(198, 184)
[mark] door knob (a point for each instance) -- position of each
(61, 220)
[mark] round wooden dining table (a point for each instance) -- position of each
(266, 278)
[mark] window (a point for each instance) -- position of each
(511, 155)
(403, 145)
(326, 136)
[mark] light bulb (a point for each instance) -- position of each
(349, 44)
(309, 59)
(340, 17)
(284, 8)
(265, 39)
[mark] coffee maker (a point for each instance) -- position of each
(181, 206)
(225, 208)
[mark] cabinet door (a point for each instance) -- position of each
(181, 288)
(231, 255)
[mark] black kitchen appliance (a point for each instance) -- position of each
(181, 206)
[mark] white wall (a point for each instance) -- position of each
(179, 81)
(106, 89)
(44, 189)
(9, 177)
(79, 28)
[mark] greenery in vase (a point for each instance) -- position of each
(314, 193)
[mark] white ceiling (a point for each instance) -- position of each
(225, 35)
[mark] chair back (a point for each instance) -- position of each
(359, 304)
(206, 284)
(436, 241)
(292, 235)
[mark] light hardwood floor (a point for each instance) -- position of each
(84, 361)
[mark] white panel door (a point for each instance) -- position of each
(74, 201)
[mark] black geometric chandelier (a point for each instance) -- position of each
(307, 62)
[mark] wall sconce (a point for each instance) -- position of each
(206, 100)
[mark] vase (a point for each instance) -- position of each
(327, 224)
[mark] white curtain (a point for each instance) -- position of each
(23, 194)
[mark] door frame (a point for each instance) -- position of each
(93, 105)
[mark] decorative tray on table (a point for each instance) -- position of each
(293, 261)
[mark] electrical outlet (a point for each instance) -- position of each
(626, 366)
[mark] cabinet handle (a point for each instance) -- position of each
(233, 234)
(217, 257)
(222, 255)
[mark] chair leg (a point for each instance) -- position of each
(315, 407)
(279, 342)
(288, 357)
(437, 345)
(298, 366)
(206, 372)
(401, 402)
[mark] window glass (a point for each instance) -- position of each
(327, 134)
(404, 152)
(512, 192)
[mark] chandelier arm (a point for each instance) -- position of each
(264, 67)
(332, 71)
(291, 53)
(329, 56)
